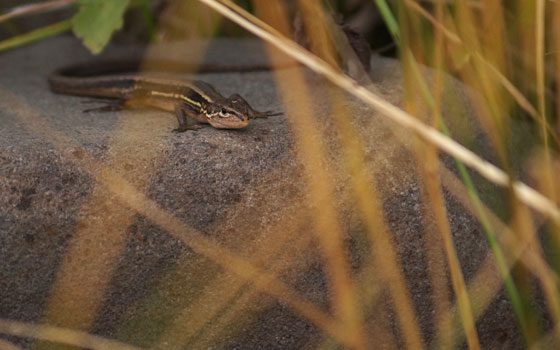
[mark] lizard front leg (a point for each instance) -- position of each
(186, 118)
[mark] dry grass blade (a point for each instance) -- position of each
(437, 24)
(385, 251)
(140, 203)
(486, 283)
(100, 239)
(541, 86)
(319, 186)
(428, 161)
(365, 193)
(207, 311)
(434, 240)
(61, 335)
(31, 8)
(369, 205)
(494, 174)
(263, 281)
(432, 181)
(555, 28)
(527, 195)
(236, 312)
(521, 100)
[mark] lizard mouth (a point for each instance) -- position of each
(229, 124)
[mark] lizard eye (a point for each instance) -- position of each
(224, 113)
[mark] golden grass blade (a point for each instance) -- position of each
(31, 8)
(487, 282)
(526, 236)
(434, 241)
(534, 263)
(369, 206)
(540, 62)
(365, 192)
(245, 269)
(522, 190)
(555, 28)
(279, 246)
(127, 193)
(61, 335)
(320, 188)
(435, 22)
(521, 100)
(494, 39)
(93, 252)
(431, 179)
(246, 299)
(526, 194)
(540, 21)
(427, 160)
(428, 164)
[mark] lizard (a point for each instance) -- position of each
(193, 100)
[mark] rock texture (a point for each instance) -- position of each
(112, 224)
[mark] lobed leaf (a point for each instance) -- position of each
(97, 20)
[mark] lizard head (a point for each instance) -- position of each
(225, 117)
(239, 104)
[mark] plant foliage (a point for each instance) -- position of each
(97, 20)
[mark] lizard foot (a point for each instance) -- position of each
(182, 129)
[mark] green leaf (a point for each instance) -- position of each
(97, 20)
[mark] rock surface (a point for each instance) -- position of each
(149, 269)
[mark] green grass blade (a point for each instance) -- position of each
(511, 289)
(390, 20)
(35, 35)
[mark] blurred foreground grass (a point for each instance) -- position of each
(507, 53)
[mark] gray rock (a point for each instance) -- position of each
(242, 190)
